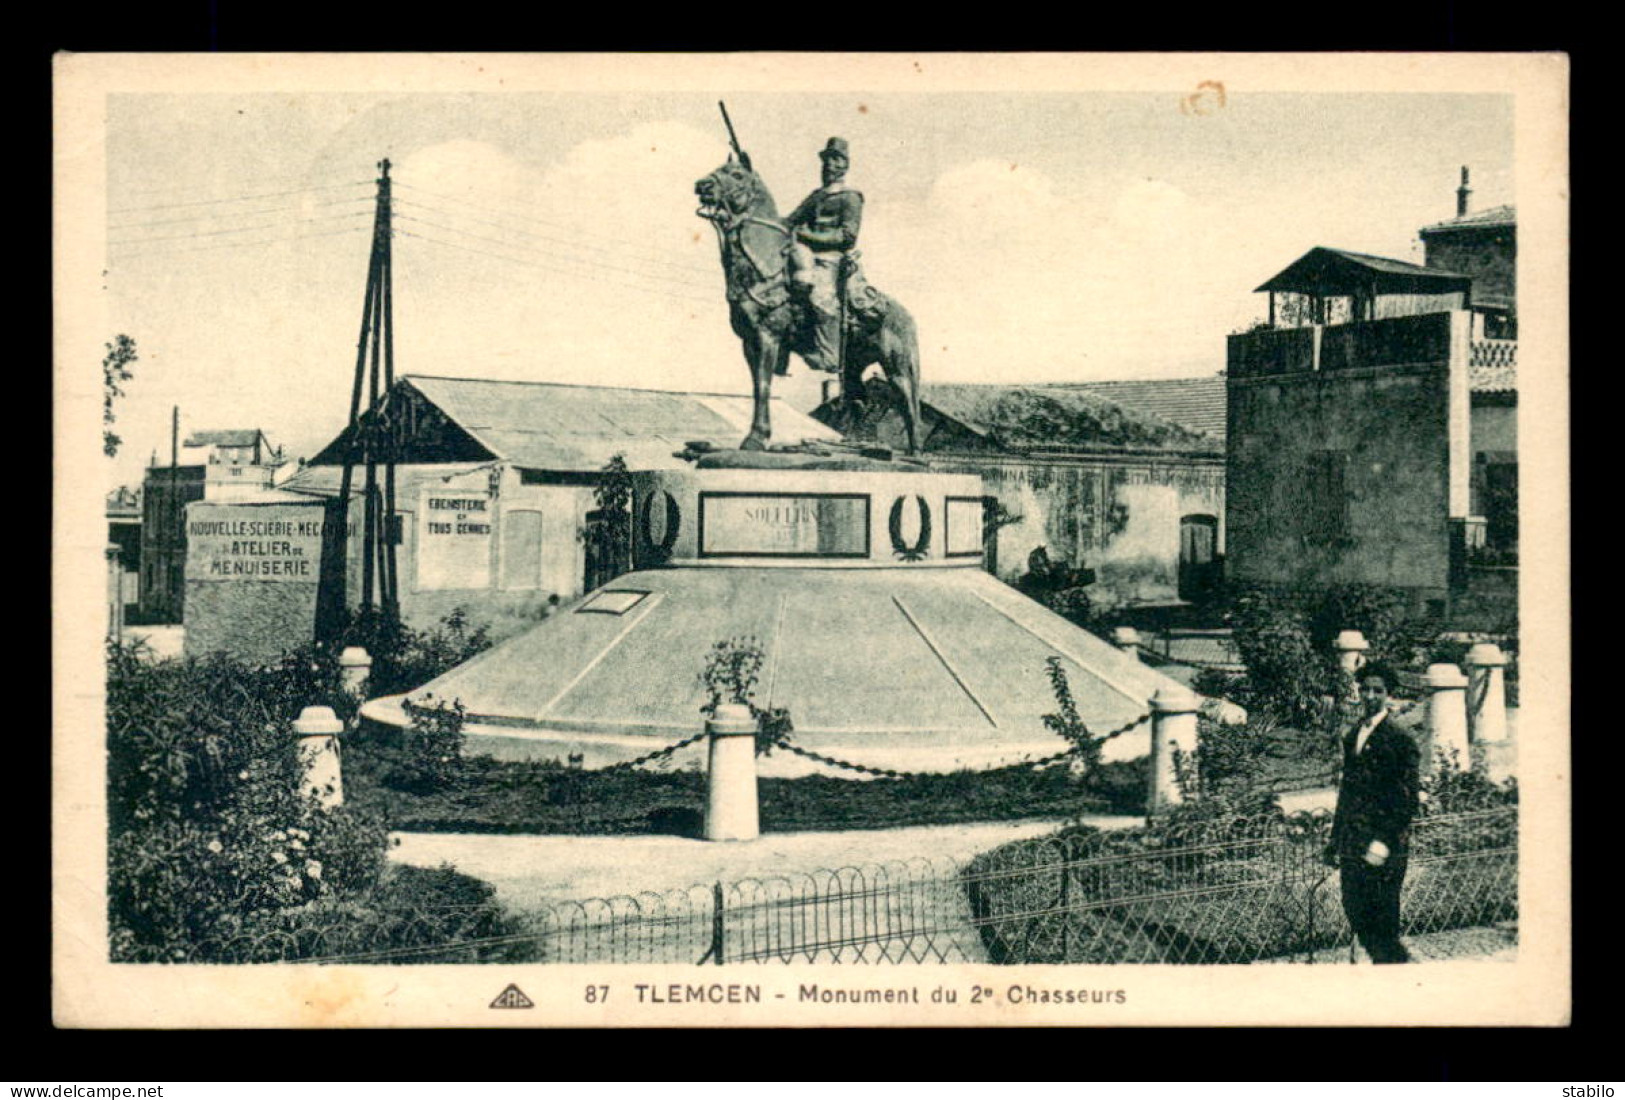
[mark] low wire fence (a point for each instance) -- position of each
(1226, 890)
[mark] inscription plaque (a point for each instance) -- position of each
(963, 527)
(259, 544)
(784, 525)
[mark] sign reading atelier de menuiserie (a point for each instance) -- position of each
(454, 539)
(258, 544)
(784, 525)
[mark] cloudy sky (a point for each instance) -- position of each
(552, 237)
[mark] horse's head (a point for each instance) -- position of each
(730, 192)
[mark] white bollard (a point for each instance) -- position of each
(355, 669)
(1173, 725)
(318, 729)
(1447, 717)
(1127, 639)
(1487, 708)
(730, 789)
(1486, 680)
(1351, 648)
(115, 595)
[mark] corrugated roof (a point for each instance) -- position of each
(1070, 416)
(551, 426)
(1194, 403)
(1494, 217)
(1327, 271)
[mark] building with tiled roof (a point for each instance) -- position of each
(1482, 244)
(1495, 217)
(1347, 459)
(1193, 403)
(1127, 481)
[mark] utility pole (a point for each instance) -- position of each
(372, 438)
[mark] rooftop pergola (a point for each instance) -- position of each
(1324, 273)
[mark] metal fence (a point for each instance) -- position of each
(1224, 890)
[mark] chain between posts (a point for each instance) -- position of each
(889, 773)
(653, 756)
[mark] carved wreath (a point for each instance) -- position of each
(903, 550)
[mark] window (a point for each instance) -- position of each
(521, 549)
(1325, 504)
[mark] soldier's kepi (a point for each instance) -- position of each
(824, 230)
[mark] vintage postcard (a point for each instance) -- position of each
(811, 540)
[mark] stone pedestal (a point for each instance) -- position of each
(1447, 717)
(1487, 708)
(115, 595)
(355, 669)
(318, 730)
(730, 792)
(1351, 648)
(1173, 726)
(1127, 639)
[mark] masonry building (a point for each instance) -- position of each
(1373, 435)
(1122, 477)
(494, 503)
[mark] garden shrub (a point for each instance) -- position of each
(1285, 673)
(404, 658)
(731, 671)
(1231, 764)
(1066, 722)
(433, 744)
(1220, 881)
(210, 844)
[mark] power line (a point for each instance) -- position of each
(244, 229)
(687, 283)
(239, 198)
(237, 213)
(556, 270)
(242, 244)
(551, 223)
(620, 253)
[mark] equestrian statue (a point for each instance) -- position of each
(794, 286)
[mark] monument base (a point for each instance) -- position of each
(862, 590)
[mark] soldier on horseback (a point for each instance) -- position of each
(825, 232)
(793, 285)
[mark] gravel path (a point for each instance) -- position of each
(529, 871)
(1498, 943)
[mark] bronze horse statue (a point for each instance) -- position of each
(769, 320)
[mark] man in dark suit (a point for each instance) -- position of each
(1376, 801)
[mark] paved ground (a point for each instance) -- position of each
(1496, 944)
(530, 871)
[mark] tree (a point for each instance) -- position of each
(115, 371)
(609, 533)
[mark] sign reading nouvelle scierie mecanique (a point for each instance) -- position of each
(261, 544)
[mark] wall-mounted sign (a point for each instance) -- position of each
(228, 543)
(454, 539)
(784, 525)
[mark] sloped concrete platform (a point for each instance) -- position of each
(862, 582)
(919, 669)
